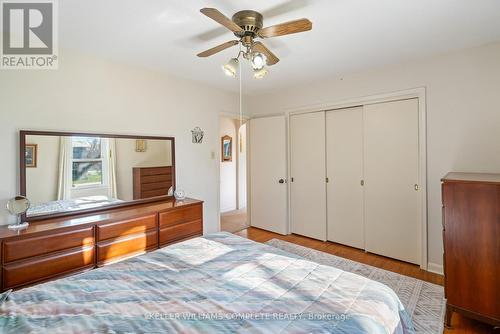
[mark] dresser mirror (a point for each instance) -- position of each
(67, 173)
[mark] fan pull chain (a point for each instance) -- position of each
(241, 96)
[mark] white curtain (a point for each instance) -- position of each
(65, 169)
(113, 192)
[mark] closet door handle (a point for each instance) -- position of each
(282, 181)
(417, 187)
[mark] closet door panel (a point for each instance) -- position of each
(391, 169)
(308, 170)
(344, 147)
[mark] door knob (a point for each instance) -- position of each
(282, 181)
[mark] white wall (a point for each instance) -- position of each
(94, 95)
(463, 113)
(228, 169)
(158, 153)
(41, 181)
(242, 166)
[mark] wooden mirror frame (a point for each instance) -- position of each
(22, 171)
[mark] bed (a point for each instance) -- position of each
(220, 283)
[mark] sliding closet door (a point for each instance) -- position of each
(344, 148)
(307, 159)
(268, 170)
(391, 169)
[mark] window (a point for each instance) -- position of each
(88, 162)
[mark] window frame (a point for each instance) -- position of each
(104, 163)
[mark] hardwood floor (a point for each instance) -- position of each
(460, 324)
(233, 221)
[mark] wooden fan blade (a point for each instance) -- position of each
(220, 18)
(271, 57)
(218, 48)
(287, 28)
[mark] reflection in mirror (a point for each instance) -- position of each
(83, 172)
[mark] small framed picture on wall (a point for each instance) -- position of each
(226, 148)
(30, 155)
(141, 145)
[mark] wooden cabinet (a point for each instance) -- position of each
(54, 248)
(46, 267)
(471, 235)
(152, 181)
(14, 250)
(179, 224)
(127, 246)
(125, 238)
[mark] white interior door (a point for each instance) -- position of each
(344, 147)
(268, 165)
(308, 170)
(391, 169)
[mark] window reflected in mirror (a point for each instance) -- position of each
(83, 172)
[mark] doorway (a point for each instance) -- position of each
(233, 174)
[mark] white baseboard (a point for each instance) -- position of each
(435, 268)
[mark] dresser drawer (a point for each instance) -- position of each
(126, 227)
(180, 231)
(182, 215)
(20, 249)
(156, 171)
(154, 193)
(112, 250)
(42, 268)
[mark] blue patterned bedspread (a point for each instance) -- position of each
(220, 283)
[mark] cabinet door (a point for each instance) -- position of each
(344, 160)
(308, 172)
(391, 169)
(471, 240)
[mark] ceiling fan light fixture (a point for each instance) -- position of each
(259, 74)
(258, 61)
(231, 67)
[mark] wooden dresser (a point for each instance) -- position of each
(152, 181)
(54, 248)
(471, 235)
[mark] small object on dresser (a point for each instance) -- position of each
(17, 207)
(179, 194)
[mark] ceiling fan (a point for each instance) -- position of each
(247, 25)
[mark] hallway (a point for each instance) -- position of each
(234, 221)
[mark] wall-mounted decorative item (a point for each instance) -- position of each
(197, 135)
(31, 155)
(141, 145)
(227, 148)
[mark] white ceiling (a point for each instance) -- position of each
(347, 35)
